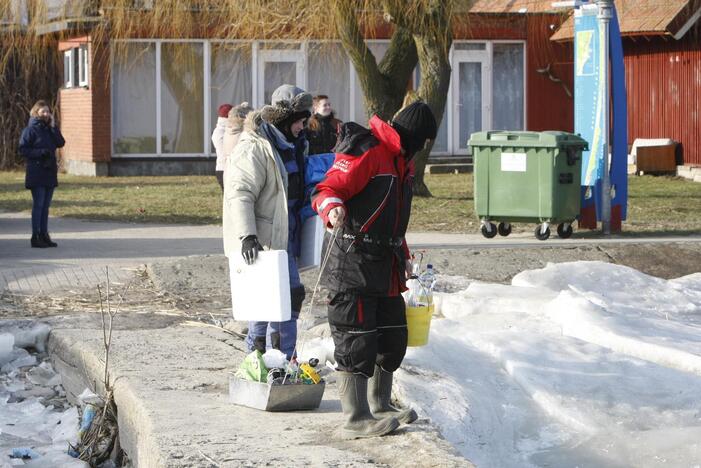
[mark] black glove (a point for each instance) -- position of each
(249, 249)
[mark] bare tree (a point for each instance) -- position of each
(420, 33)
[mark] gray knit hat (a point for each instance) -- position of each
(289, 103)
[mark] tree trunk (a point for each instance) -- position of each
(433, 46)
(384, 85)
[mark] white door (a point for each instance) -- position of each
(471, 86)
(278, 67)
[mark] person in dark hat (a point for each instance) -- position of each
(263, 198)
(366, 198)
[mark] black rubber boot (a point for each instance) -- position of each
(38, 241)
(380, 398)
(259, 344)
(47, 240)
(360, 423)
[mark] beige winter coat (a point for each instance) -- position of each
(231, 137)
(255, 193)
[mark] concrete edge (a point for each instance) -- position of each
(134, 427)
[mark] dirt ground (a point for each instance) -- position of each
(197, 287)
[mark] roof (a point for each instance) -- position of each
(644, 17)
(507, 6)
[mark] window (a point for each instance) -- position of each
(231, 77)
(134, 98)
(83, 65)
(165, 93)
(75, 67)
(182, 97)
(508, 92)
(329, 74)
(68, 71)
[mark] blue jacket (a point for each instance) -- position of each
(38, 145)
(315, 169)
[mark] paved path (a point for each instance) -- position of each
(87, 247)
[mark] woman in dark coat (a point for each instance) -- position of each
(322, 129)
(38, 145)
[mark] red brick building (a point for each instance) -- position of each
(126, 111)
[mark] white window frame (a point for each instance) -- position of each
(525, 74)
(207, 152)
(453, 131)
(83, 65)
(482, 57)
(297, 56)
(260, 55)
(68, 80)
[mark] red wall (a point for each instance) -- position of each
(663, 79)
(85, 111)
(548, 105)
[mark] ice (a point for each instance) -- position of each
(19, 358)
(56, 458)
(66, 430)
(7, 341)
(43, 375)
(27, 333)
(27, 422)
(670, 342)
(575, 364)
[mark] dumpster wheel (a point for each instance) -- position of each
(489, 230)
(541, 234)
(564, 230)
(504, 229)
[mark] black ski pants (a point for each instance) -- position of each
(367, 330)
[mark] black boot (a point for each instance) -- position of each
(360, 423)
(47, 239)
(259, 344)
(38, 241)
(380, 393)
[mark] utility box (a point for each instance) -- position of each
(659, 159)
(527, 177)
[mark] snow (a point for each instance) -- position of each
(575, 364)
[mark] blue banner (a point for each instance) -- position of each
(589, 89)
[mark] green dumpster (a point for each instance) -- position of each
(527, 177)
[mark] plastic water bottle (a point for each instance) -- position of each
(411, 295)
(427, 279)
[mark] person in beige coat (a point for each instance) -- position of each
(254, 204)
(233, 129)
(263, 197)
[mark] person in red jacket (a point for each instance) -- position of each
(366, 198)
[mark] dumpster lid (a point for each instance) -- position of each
(547, 139)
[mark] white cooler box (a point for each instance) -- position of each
(261, 292)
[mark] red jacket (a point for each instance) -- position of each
(373, 180)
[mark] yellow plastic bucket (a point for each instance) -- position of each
(418, 321)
